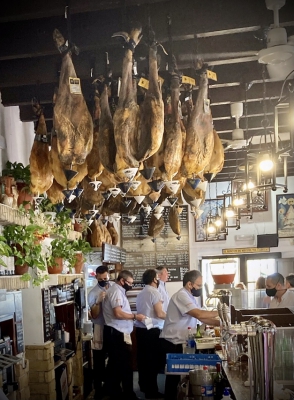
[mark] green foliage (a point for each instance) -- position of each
(63, 248)
(18, 171)
(82, 245)
(62, 223)
(26, 249)
(46, 206)
(5, 250)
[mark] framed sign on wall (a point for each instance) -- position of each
(285, 215)
(209, 207)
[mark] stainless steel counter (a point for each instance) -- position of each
(237, 379)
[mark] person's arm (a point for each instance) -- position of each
(159, 311)
(120, 314)
(211, 321)
(96, 308)
(207, 317)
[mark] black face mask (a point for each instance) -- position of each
(196, 292)
(103, 283)
(126, 287)
(271, 292)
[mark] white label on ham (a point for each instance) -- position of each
(206, 106)
(74, 85)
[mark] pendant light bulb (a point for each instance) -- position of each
(266, 164)
(230, 212)
(250, 186)
(211, 229)
(218, 222)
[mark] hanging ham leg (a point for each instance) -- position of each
(127, 114)
(216, 162)
(94, 163)
(58, 168)
(72, 120)
(199, 139)
(152, 112)
(106, 142)
(41, 175)
(174, 134)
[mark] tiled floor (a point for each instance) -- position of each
(160, 380)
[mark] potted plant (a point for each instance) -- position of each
(48, 209)
(22, 177)
(61, 250)
(5, 250)
(81, 248)
(62, 223)
(27, 251)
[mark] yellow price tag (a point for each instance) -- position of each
(211, 75)
(144, 83)
(188, 79)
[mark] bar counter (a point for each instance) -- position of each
(236, 379)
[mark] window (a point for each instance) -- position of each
(257, 268)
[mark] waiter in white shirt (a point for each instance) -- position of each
(182, 312)
(162, 273)
(149, 303)
(99, 342)
(119, 321)
(275, 288)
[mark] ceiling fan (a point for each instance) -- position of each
(279, 54)
(238, 141)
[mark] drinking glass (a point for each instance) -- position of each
(234, 356)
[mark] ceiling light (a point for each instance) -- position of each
(239, 201)
(230, 212)
(266, 164)
(250, 186)
(218, 222)
(211, 229)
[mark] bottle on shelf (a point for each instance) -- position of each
(190, 342)
(218, 383)
(198, 332)
(206, 385)
(226, 395)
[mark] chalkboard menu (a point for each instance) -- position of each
(113, 254)
(167, 251)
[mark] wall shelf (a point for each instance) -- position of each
(10, 216)
(13, 282)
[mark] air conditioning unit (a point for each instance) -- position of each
(244, 238)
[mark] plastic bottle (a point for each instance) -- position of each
(190, 342)
(226, 395)
(206, 385)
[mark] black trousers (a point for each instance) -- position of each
(99, 368)
(119, 369)
(147, 359)
(171, 381)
